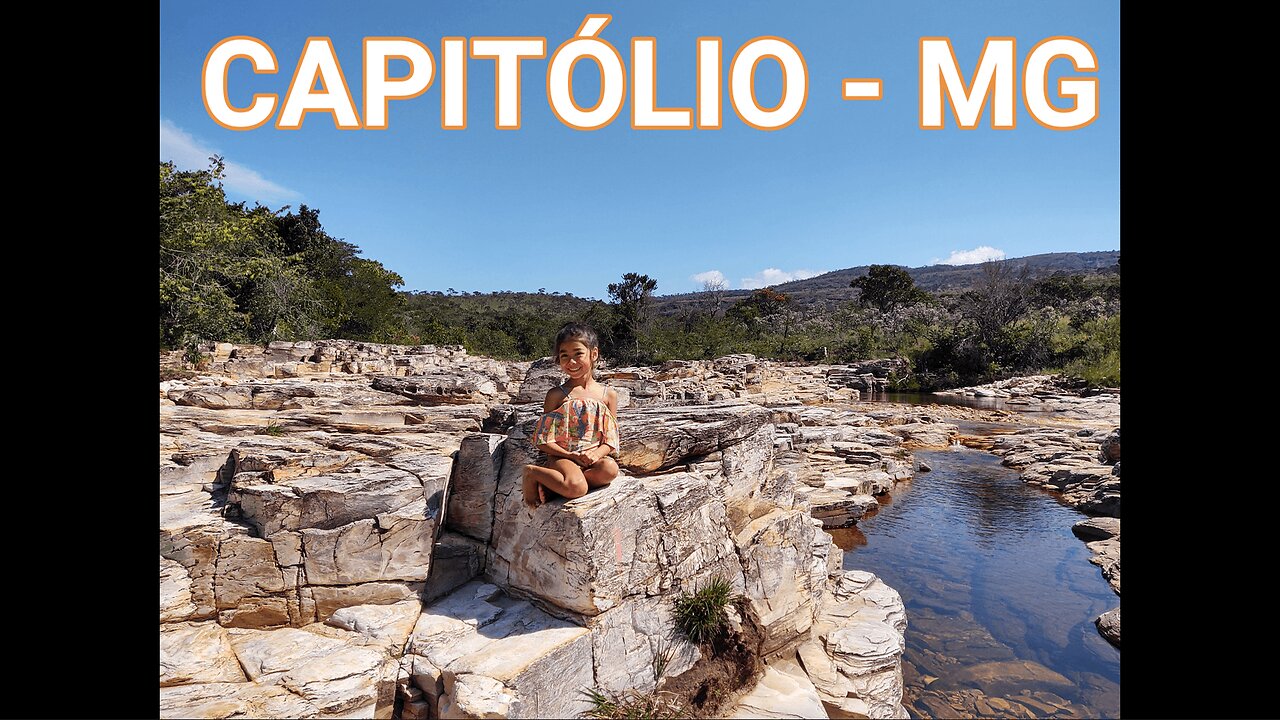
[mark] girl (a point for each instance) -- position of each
(578, 430)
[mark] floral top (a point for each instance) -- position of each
(579, 424)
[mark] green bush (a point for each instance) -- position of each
(701, 615)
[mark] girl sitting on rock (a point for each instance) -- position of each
(578, 430)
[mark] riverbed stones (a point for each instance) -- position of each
(1049, 393)
(1004, 677)
(1057, 459)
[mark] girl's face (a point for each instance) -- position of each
(576, 359)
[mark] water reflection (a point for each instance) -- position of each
(1000, 595)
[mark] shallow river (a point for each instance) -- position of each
(1000, 595)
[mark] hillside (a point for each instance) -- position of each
(833, 288)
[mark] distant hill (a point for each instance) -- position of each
(833, 288)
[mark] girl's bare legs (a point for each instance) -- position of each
(564, 477)
(603, 472)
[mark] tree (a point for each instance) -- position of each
(887, 285)
(219, 261)
(353, 297)
(228, 272)
(759, 307)
(631, 313)
(715, 289)
(998, 298)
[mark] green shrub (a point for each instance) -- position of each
(701, 615)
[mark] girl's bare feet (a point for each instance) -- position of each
(532, 489)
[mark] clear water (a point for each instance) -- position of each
(1000, 595)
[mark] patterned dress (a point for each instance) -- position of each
(579, 424)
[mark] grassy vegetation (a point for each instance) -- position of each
(701, 615)
(634, 705)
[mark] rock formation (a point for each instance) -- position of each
(341, 534)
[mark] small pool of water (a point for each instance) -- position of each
(922, 398)
(1000, 595)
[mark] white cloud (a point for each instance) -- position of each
(710, 276)
(969, 257)
(773, 276)
(188, 153)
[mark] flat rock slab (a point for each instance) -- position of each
(336, 671)
(234, 700)
(502, 657)
(784, 691)
(192, 653)
(1099, 528)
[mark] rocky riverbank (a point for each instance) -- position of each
(341, 533)
(1081, 465)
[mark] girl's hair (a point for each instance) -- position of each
(577, 331)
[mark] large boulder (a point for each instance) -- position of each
(636, 537)
(785, 564)
(657, 438)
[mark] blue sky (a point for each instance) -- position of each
(547, 206)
